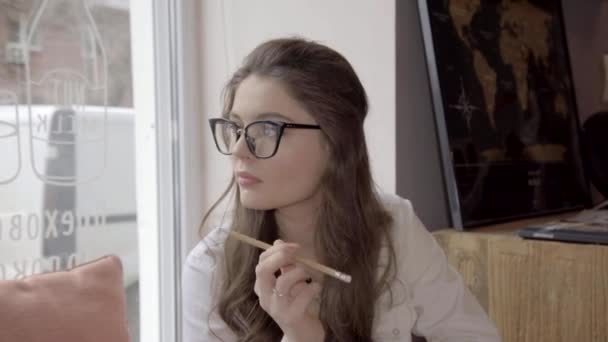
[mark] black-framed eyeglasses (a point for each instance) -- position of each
(262, 137)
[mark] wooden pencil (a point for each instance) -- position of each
(312, 264)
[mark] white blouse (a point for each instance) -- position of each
(430, 298)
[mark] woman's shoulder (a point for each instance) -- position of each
(398, 207)
(391, 199)
(201, 272)
(201, 287)
(411, 240)
(209, 251)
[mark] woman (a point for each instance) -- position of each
(293, 125)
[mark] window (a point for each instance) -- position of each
(67, 140)
(87, 169)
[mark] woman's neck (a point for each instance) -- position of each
(297, 223)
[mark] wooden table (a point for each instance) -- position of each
(534, 290)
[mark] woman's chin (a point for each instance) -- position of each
(251, 201)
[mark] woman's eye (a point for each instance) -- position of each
(270, 130)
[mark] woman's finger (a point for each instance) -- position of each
(277, 246)
(286, 281)
(297, 288)
(265, 270)
(299, 305)
(281, 258)
(285, 269)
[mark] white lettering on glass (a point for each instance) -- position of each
(28, 267)
(32, 226)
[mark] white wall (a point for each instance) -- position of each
(363, 31)
(419, 170)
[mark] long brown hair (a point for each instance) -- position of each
(352, 227)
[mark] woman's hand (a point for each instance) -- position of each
(286, 298)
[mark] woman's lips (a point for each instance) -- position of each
(246, 179)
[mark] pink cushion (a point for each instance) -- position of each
(84, 304)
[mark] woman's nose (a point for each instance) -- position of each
(240, 149)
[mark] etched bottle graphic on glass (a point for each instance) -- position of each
(66, 88)
(10, 143)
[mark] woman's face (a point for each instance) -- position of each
(294, 173)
